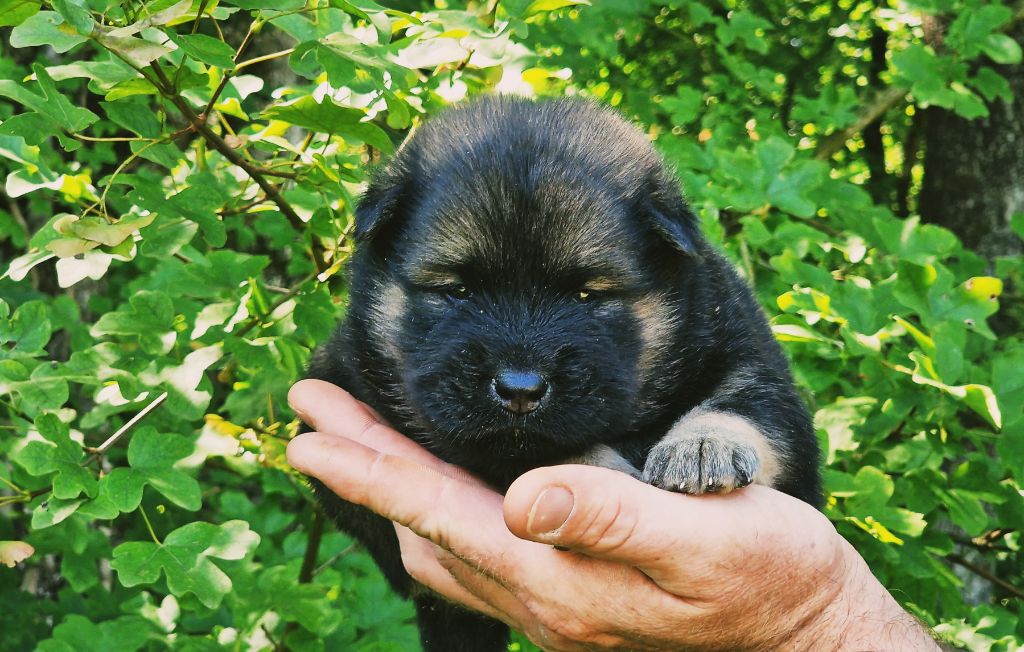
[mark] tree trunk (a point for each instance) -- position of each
(974, 170)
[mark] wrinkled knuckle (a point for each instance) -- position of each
(608, 528)
(571, 629)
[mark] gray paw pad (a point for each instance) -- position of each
(701, 465)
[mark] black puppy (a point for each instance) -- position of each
(529, 288)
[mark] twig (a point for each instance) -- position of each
(200, 125)
(128, 426)
(316, 533)
(306, 572)
(881, 103)
(265, 57)
(986, 574)
(149, 526)
(228, 74)
(330, 562)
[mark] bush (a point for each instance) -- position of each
(179, 187)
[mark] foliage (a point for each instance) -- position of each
(179, 187)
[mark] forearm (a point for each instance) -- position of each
(863, 616)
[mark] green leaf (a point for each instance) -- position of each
(52, 104)
(27, 332)
(107, 233)
(537, 6)
(206, 49)
(185, 557)
(76, 14)
(15, 12)
(151, 456)
(46, 28)
(139, 52)
(148, 318)
(331, 118)
(304, 603)
(57, 454)
(59, 107)
(1001, 49)
(78, 633)
(136, 116)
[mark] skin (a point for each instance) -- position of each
(635, 568)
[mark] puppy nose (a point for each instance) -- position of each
(520, 391)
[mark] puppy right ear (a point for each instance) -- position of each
(677, 225)
(378, 207)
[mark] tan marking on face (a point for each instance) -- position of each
(655, 317)
(707, 423)
(601, 284)
(387, 312)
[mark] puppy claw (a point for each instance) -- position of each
(699, 465)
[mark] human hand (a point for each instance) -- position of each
(644, 569)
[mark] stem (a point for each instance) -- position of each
(128, 426)
(986, 574)
(112, 139)
(316, 533)
(149, 526)
(228, 74)
(877, 107)
(265, 57)
(200, 125)
(255, 319)
(199, 15)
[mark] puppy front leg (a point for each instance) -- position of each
(606, 456)
(710, 450)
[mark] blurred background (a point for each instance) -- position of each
(179, 178)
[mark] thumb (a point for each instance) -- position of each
(601, 513)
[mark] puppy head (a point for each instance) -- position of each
(516, 261)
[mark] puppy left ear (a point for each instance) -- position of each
(677, 225)
(378, 207)
(668, 214)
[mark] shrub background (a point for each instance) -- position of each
(179, 182)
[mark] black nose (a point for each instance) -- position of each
(520, 391)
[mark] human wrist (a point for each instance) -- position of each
(861, 615)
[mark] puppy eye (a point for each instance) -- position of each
(458, 292)
(584, 295)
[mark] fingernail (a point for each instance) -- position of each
(550, 511)
(302, 415)
(302, 454)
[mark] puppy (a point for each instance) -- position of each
(529, 288)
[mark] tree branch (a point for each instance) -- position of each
(882, 102)
(986, 574)
(254, 172)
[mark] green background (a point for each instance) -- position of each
(179, 180)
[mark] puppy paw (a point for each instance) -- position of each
(711, 452)
(703, 464)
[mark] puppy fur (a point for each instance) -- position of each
(549, 238)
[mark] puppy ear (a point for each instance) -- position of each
(668, 214)
(677, 225)
(378, 207)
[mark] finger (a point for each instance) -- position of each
(331, 410)
(420, 558)
(512, 611)
(458, 515)
(612, 516)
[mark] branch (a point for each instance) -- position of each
(112, 439)
(986, 574)
(254, 172)
(316, 533)
(881, 103)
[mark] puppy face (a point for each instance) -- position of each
(520, 262)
